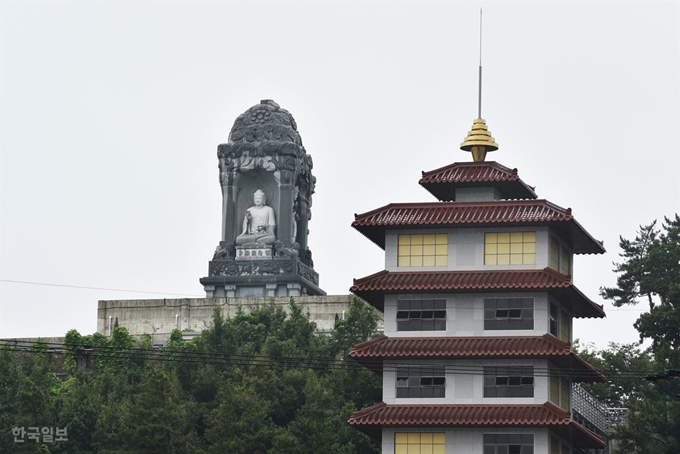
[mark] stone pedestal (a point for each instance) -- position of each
(269, 277)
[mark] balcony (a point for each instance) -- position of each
(594, 415)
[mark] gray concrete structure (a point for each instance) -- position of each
(267, 186)
(160, 316)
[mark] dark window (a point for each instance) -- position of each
(508, 443)
(508, 313)
(509, 381)
(421, 315)
(554, 321)
(421, 381)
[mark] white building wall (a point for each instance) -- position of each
(466, 249)
(462, 440)
(160, 316)
(465, 314)
(465, 382)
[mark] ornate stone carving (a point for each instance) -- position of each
(308, 273)
(224, 251)
(251, 268)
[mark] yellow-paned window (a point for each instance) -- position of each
(565, 267)
(554, 445)
(565, 334)
(554, 253)
(400, 438)
(419, 443)
(423, 250)
(510, 248)
(560, 257)
(564, 394)
(555, 389)
(560, 390)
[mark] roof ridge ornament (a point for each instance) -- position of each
(479, 140)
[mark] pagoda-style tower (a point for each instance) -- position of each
(478, 303)
(267, 186)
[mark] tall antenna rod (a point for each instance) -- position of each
(479, 140)
(479, 100)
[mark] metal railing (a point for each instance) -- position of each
(592, 413)
(588, 410)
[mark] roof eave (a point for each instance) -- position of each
(565, 426)
(568, 294)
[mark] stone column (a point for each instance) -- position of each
(304, 222)
(229, 193)
(286, 215)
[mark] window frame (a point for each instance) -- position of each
(519, 251)
(422, 250)
(558, 447)
(509, 381)
(559, 322)
(522, 443)
(420, 380)
(403, 441)
(559, 390)
(493, 311)
(559, 256)
(408, 309)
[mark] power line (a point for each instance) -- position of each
(262, 360)
(610, 310)
(96, 288)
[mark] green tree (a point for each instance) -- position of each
(358, 325)
(156, 418)
(28, 386)
(240, 424)
(79, 405)
(650, 271)
(625, 366)
(324, 414)
(262, 381)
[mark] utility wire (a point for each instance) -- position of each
(96, 288)
(612, 310)
(196, 357)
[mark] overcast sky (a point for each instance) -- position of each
(111, 113)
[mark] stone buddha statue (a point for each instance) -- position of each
(259, 222)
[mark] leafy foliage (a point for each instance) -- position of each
(263, 381)
(650, 271)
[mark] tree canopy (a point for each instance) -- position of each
(262, 381)
(651, 271)
(638, 377)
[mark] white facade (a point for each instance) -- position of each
(465, 314)
(466, 249)
(465, 382)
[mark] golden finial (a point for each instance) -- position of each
(479, 141)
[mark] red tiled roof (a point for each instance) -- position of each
(451, 213)
(373, 352)
(373, 288)
(370, 420)
(496, 213)
(469, 172)
(443, 181)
